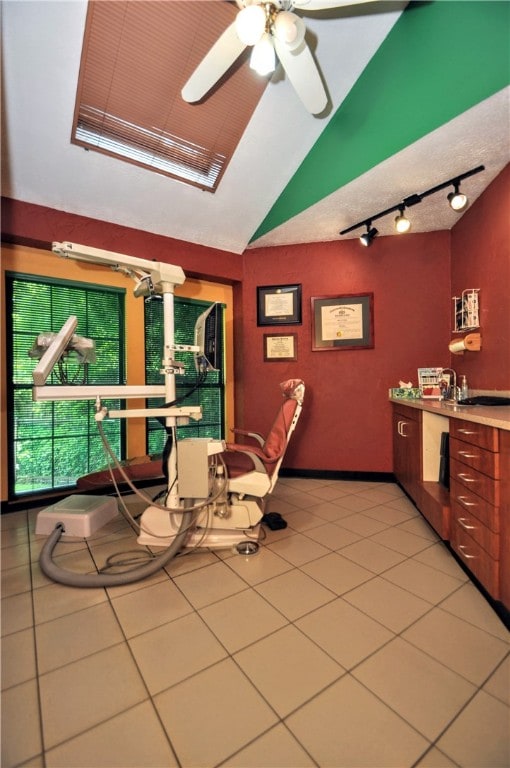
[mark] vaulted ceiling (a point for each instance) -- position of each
(419, 93)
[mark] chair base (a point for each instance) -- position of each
(210, 531)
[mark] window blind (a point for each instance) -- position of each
(135, 60)
(51, 444)
(211, 393)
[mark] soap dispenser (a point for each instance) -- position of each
(464, 391)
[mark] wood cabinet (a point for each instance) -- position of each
(475, 479)
(474, 515)
(430, 497)
(407, 452)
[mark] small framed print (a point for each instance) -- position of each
(343, 322)
(280, 347)
(279, 305)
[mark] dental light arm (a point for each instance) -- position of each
(150, 276)
(54, 352)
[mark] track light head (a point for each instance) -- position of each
(367, 237)
(458, 201)
(402, 223)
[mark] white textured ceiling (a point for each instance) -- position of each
(41, 56)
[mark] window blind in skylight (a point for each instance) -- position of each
(136, 58)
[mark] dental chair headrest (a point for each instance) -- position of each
(293, 389)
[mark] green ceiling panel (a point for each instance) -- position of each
(440, 59)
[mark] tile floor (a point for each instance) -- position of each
(352, 638)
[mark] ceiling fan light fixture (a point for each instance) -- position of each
(250, 24)
(289, 29)
(458, 201)
(402, 223)
(263, 58)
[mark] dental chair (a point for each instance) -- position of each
(251, 472)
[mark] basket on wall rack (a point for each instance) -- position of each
(466, 317)
(466, 310)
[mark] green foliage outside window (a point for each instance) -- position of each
(210, 395)
(51, 444)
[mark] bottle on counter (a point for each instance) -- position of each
(464, 391)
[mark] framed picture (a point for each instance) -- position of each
(279, 305)
(343, 322)
(280, 347)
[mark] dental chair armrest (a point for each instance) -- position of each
(245, 433)
(256, 454)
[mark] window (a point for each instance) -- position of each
(135, 60)
(210, 395)
(51, 444)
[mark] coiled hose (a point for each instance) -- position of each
(72, 579)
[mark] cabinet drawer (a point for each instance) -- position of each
(475, 481)
(479, 458)
(470, 503)
(476, 559)
(487, 539)
(476, 434)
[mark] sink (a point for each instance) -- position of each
(485, 400)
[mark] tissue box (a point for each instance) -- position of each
(405, 393)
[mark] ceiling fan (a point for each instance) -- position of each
(272, 29)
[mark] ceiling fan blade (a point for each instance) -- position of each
(215, 63)
(322, 5)
(301, 69)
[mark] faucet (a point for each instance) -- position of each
(452, 392)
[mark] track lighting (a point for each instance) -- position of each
(458, 201)
(402, 223)
(368, 236)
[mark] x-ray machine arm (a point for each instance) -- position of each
(151, 277)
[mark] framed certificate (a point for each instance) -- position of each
(279, 305)
(343, 322)
(280, 347)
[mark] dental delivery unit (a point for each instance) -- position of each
(216, 491)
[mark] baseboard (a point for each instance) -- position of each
(339, 474)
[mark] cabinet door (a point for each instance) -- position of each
(407, 450)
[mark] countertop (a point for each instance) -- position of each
(490, 415)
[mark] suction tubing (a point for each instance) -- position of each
(71, 579)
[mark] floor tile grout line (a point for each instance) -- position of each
(434, 658)
(36, 656)
(108, 719)
(418, 762)
(123, 643)
(282, 723)
(452, 721)
(145, 684)
(335, 597)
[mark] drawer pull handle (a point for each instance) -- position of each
(465, 554)
(468, 455)
(466, 478)
(464, 525)
(465, 503)
(468, 431)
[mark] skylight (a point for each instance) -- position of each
(136, 57)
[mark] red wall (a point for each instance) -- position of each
(481, 259)
(38, 225)
(345, 423)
